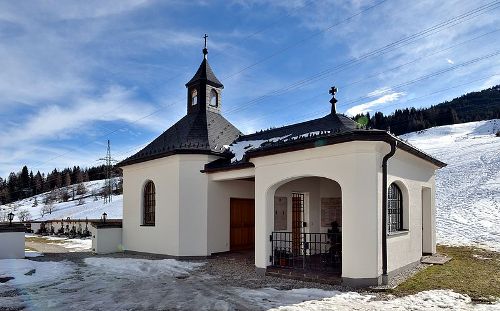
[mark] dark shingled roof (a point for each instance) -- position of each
(205, 74)
(332, 122)
(204, 132)
(330, 129)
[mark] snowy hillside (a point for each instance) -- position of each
(88, 208)
(468, 189)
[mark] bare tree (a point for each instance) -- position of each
(43, 211)
(81, 189)
(24, 215)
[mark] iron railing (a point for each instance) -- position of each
(309, 251)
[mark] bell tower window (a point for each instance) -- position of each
(194, 97)
(213, 98)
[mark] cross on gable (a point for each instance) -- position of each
(333, 90)
(205, 37)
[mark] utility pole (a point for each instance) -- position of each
(108, 184)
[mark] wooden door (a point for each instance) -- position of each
(297, 221)
(242, 235)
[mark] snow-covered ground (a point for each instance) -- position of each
(89, 209)
(468, 189)
(73, 245)
(131, 284)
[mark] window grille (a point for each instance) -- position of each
(149, 203)
(394, 209)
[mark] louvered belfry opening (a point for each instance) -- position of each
(149, 203)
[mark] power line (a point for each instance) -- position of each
(377, 52)
(300, 42)
(386, 71)
(399, 43)
(322, 111)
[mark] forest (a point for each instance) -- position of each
(25, 183)
(474, 106)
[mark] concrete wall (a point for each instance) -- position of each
(11, 245)
(35, 226)
(219, 196)
(412, 175)
(106, 240)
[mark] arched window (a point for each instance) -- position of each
(194, 97)
(149, 204)
(213, 98)
(395, 209)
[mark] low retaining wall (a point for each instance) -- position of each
(12, 241)
(107, 237)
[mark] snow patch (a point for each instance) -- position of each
(32, 254)
(317, 299)
(143, 267)
(27, 272)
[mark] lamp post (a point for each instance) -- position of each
(104, 216)
(10, 217)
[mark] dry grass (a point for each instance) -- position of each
(38, 239)
(472, 271)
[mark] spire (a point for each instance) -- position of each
(204, 73)
(205, 50)
(333, 101)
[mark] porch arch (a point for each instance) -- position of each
(303, 233)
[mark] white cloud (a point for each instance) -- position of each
(379, 91)
(367, 107)
(59, 122)
(449, 61)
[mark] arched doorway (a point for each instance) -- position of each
(307, 225)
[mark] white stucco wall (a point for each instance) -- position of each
(163, 238)
(106, 240)
(413, 175)
(354, 166)
(11, 245)
(219, 197)
(188, 222)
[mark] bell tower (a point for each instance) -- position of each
(204, 90)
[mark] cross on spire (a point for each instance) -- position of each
(333, 90)
(333, 101)
(205, 50)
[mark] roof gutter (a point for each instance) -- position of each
(386, 158)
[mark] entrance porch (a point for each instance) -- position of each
(307, 232)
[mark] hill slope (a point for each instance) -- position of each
(468, 189)
(89, 209)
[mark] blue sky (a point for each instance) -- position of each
(76, 73)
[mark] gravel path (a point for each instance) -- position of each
(230, 269)
(225, 281)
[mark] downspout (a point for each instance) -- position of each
(384, 210)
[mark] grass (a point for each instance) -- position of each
(37, 239)
(472, 271)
